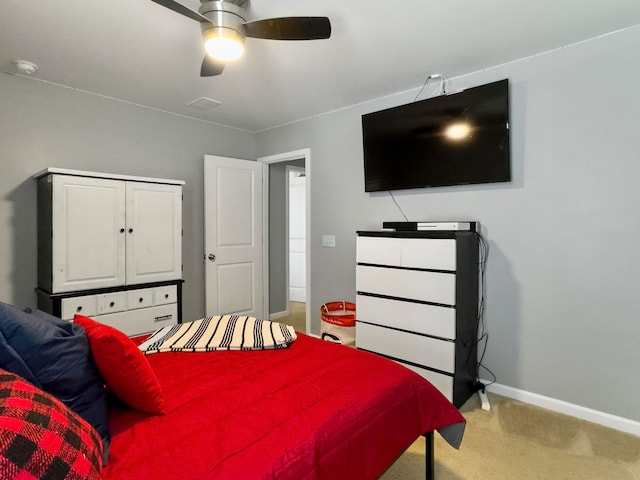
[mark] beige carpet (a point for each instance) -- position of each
(519, 441)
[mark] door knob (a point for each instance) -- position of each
(211, 257)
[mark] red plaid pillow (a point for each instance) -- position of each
(40, 438)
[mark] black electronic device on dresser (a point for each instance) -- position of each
(417, 303)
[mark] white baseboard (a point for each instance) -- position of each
(275, 316)
(297, 294)
(601, 418)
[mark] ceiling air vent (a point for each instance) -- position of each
(203, 104)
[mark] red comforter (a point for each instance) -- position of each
(313, 411)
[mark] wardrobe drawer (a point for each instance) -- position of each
(142, 320)
(164, 295)
(435, 287)
(140, 298)
(429, 253)
(414, 317)
(111, 302)
(86, 305)
(430, 352)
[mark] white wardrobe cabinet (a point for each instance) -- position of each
(103, 232)
(102, 235)
(417, 303)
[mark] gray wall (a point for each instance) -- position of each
(563, 276)
(43, 125)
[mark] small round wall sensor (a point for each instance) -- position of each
(25, 67)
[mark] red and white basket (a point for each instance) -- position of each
(339, 322)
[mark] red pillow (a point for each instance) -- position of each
(42, 438)
(124, 368)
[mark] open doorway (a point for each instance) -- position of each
(296, 203)
(297, 247)
(288, 238)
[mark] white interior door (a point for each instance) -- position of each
(297, 234)
(234, 236)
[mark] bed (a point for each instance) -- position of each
(314, 410)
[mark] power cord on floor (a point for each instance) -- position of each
(483, 337)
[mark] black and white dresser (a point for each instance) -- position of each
(417, 303)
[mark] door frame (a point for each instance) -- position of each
(305, 154)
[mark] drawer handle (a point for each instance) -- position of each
(141, 300)
(79, 308)
(112, 304)
(166, 295)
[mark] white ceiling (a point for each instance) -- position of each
(138, 51)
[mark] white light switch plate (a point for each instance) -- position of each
(328, 241)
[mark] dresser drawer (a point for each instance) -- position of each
(141, 298)
(414, 317)
(435, 287)
(444, 383)
(164, 295)
(86, 305)
(142, 320)
(112, 302)
(431, 352)
(428, 253)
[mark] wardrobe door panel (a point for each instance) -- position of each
(88, 217)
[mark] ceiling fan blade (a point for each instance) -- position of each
(211, 67)
(289, 28)
(182, 10)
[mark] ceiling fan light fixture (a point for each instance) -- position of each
(224, 27)
(224, 44)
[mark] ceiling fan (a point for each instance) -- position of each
(224, 27)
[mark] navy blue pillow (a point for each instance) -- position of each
(56, 357)
(12, 362)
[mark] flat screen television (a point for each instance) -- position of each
(456, 139)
